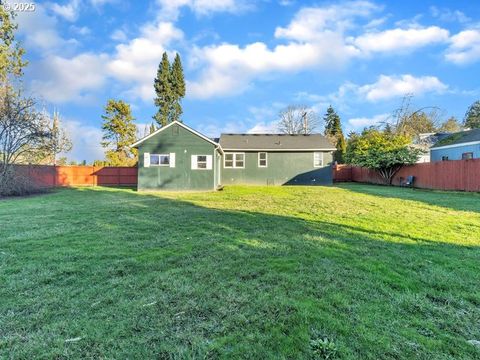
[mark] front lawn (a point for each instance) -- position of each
(354, 271)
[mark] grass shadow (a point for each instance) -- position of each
(140, 275)
(463, 201)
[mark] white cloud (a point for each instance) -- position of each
(399, 40)
(170, 9)
(316, 38)
(464, 47)
(228, 69)
(368, 121)
(81, 30)
(264, 128)
(69, 11)
(312, 23)
(118, 35)
(99, 3)
(136, 62)
(447, 15)
(60, 79)
(86, 141)
(39, 31)
(387, 87)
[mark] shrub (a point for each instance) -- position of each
(14, 184)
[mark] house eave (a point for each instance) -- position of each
(455, 145)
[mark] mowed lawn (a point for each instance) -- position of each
(353, 271)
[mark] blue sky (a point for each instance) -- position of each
(246, 60)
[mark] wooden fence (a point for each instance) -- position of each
(462, 175)
(52, 176)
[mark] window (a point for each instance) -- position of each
(444, 158)
(262, 159)
(228, 163)
(467, 156)
(317, 159)
(201, 162)
(234, 160)
(159, 160)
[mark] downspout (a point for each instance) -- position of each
(220, 150)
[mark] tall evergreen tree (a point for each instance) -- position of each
(472, 117)
(163, 89)
(152, 129)
(333, 131)
(119, 132)
(178, 88)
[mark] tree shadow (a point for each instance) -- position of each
(463, 201)
(145, 275)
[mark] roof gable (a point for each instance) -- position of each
(275, 142)
(169, 125)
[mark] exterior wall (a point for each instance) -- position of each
(284, 168)
(455, 153)
(184, 144)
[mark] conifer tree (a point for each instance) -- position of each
(333, 131)
(119, 133)
(472, 117)
(163, 89)
(178, 88)
(152, 128)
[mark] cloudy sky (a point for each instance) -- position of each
(245, 60)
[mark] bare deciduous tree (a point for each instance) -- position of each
(297, 119)
(409, 122)
(25, 134)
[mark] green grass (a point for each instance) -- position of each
(249, 272)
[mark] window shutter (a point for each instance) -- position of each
(194, 162)
(146, 160)
(209, 162)
(172, 160)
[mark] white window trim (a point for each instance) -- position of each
(234, 161)
(266, 159)
(317, 152)
(208, 162)
(159, 162)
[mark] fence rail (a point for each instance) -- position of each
(52, 176)
(462, 175)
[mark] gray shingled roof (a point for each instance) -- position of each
(274, 142)
(459, 138)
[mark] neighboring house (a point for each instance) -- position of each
(462, 145)
(425, 141)
(176, 157)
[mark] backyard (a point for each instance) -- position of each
(351, 271)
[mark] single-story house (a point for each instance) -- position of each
(177, 157)
(425, 141)
(462, 145)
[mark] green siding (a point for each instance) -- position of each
(183, 143)
(283, 168)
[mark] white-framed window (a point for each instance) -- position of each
(262, 159)
(167, 160)
(159, 159)
(201, 162)
(317, 159)
(234, 160)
